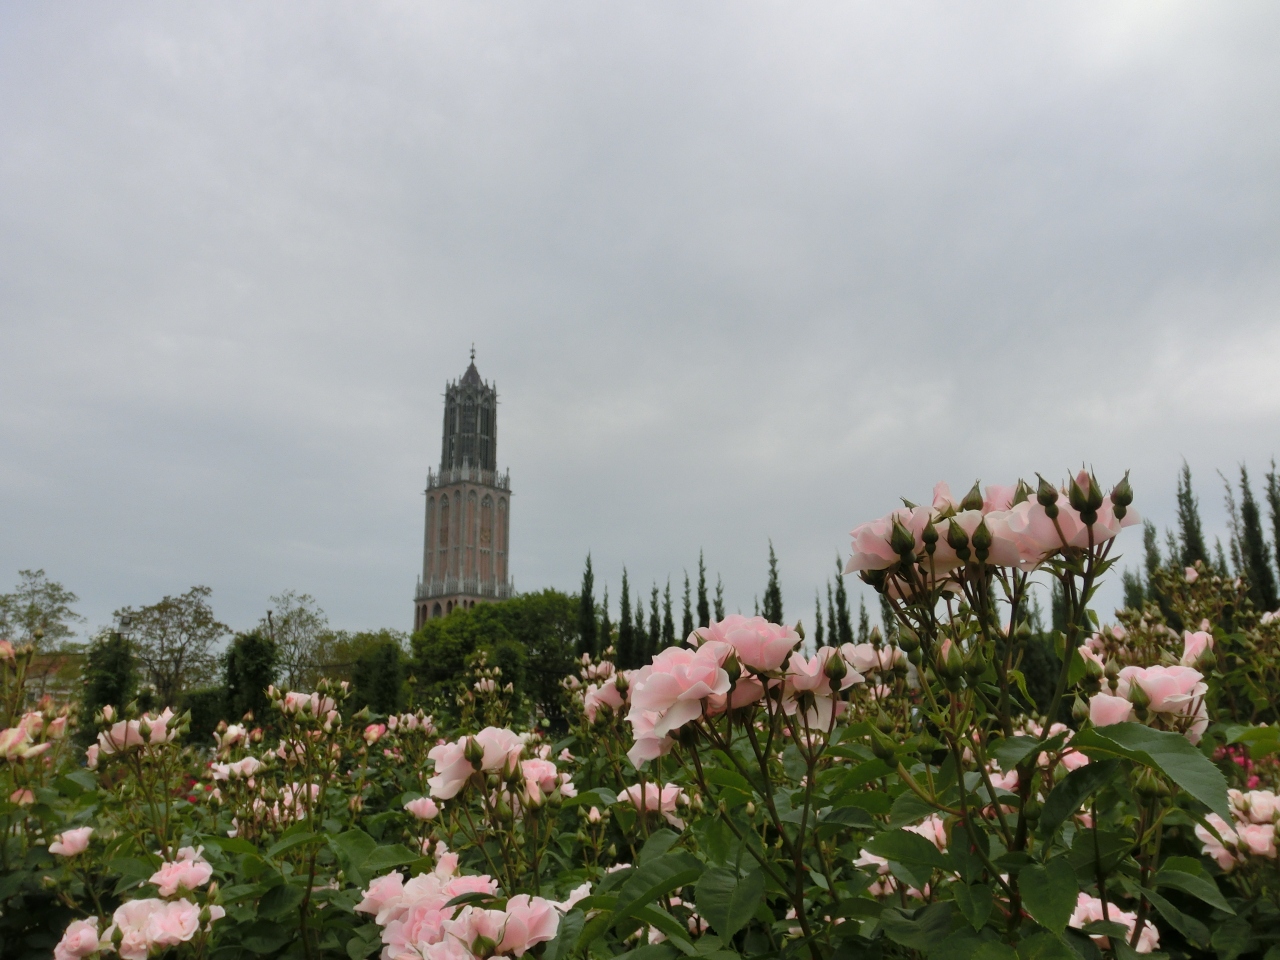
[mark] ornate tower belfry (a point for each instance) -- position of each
(464, 556)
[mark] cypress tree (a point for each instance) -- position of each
(888, 622)
(655, 628)
(1220, 559)
(864, 621)
(606, 628)
(1134, 595)
(1151, 551)
(772, 606)
(1257, 558)
(1234, 531)
(668, 625)
(640, 638)
(1273, 503)
(1190, 531)
(587, 612)
(626, 628)
(110, 677)
(833, 632)
(817, 619)
(719, 598)
(704, 611)
(1058, 607)
(249, 669)
(843, 623)
(686, 626)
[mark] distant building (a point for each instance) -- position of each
(464, 556)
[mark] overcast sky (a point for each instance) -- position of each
(740, 271)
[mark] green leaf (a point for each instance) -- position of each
(1045, 946)
(233, 845)
(907, 847)
(561, 946)
(1196, 932)
(1170, 753)
(735, 789)
(1233, 938)
(472, 898)
(907, 808)
(364, 941)
(1198, 887)
(849, 817)
(288, 843)
(1012, 751)
(1066, 798)
(728, 901)
(974, 901)
(383, 858)
(1049, 892)
(650, 951)
(263, 936)
(994, 950)
(655, 879)
(675, 932)
(659, 842)
(927, 928)
(279, 900)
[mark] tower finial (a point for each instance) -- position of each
(473, 351)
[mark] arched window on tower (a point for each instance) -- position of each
(486, 539)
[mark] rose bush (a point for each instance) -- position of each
(741, 795)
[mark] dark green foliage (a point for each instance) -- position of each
(1190, 531)
(844, 625)
(531, 637)
(1058, 608)
(668, 624)
(208, 707)
(704, 611)
(888, 622)
(587, 612)
(818, 632)
(719, 598)
(654, 641)
(833, 632)
(864, 621)
(1040, 667)
(377, 679)
(1253, 548)
(1273, 504)
(110, 677)
(771, 609)
(626, 626)
(1134, 592)
(604, 639)
(248, 669)
(641, 636)
(686, 624)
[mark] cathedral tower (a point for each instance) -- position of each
(464, 557)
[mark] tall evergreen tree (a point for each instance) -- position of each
(833, 631)
(1273, 503)
(818, 632)
(640, 640)
(771, 609)
(110, 677)
(704, 610)
(626, 627)
(605, 637)
(888, 622)
(249, 668)
(719, 598)
(655, 628)
(1256, 556)
(1058, 606)
(1151, 550)
(587, 612)
(1134, 595)
(1190, 531)
(686, 625)
(1234, 528)
(843, 624)
(668, 624)
(864, 621)
(1220, 559)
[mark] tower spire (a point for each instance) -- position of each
(473, 351)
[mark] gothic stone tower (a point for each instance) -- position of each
(464, 557)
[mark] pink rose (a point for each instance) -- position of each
(424, 808)
(758, 644)
(808, 676)
(669, 692)
(502, 749)
(871, 541)
(1170, 689)
(374, 732)
(605, 694)
(1257, 806)
(188, 872)
(91, 756)
(71, 842)
(1258, 838)
(1194, 645)
(530, 920)
(453, 769)
(1214, 847)
(652, 798)
(1104, 709)
(133, 921)
(1191, 574)
(865, 658)
(79, 940)
(382, 892)
(173, 923)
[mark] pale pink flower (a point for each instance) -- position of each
(453, 769)
(424, 808)
(295, 702)
(1214, 847)
(759, 645)
(1089, 910)
(502, 749)
(374, 732)
(865, 658)
(1105, 709)
(22, 797)
(933, 829)
(188, 872)
(1258, 838)
(1191, 574)
(1256, 806)
(71, 842)
(530, 920)
(651, 797)
(79, 940)
(605, 694)
(669, 693)
(808, 676)
(1193, 645)
(133, 921)
(91, 756)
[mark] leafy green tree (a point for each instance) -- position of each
(668, 624)
(626, 626)
(818, 632)
(38, 612)
(686, 624)
(719, 598)
(587, 612)
(377, 681)
(704, 610)
(1190, 530)
(174, 640)
(248, 669)
(1254, 552)
(771, 609)
(110, 677)
(300, 631)
(1134, 592)
(844, 625)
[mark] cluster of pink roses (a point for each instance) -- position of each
(20, 742)
(1172, 696)
(1089, 910)
(656, 798)
(124, 735)
(1252, 834)
(529, 783)
(683, 684)
(417, 924)
(242, 769)
(1011, 526)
